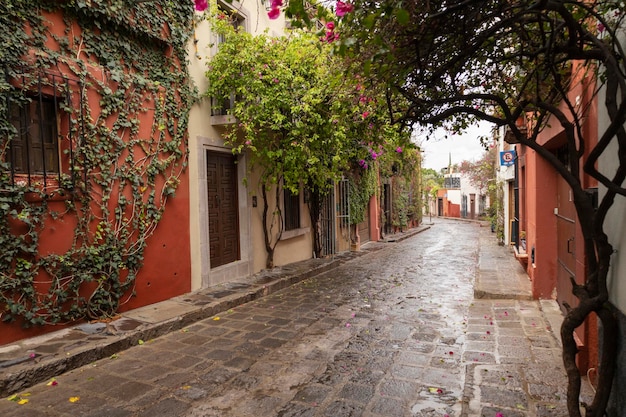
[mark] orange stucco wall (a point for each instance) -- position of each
(538, 221)
(538, 185)
(167, 261)
(449, 209)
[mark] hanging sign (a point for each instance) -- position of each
(507, 158)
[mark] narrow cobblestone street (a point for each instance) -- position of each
(396, 332)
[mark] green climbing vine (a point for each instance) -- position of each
(124, 69)
(363, 185)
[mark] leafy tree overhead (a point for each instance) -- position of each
(453, 62)
(299, 120)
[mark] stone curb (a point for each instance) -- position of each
(488, 295)
(30, 372)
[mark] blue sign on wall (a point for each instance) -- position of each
(507, 158)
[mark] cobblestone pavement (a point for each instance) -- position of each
(396, 332)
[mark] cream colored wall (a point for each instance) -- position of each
(615, 224)
(204, 136)
(294, 246)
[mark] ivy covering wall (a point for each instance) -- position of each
(126, 66)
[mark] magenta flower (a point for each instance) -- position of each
(363, 164)
(330, 25)
(601, 27)
(499, 414)
(399, 149)
(276, 4)
(365, 114)
(274, 13)
(343, 8)
(330, 36)
(201, 5)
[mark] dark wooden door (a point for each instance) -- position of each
(566, 244)
(223, 208)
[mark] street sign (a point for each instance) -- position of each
(507, 158)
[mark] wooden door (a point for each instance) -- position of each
(223, 208)
(566, 244)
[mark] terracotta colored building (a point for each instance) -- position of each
(546, 234)
(94, 148)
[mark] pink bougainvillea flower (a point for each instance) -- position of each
(365, 114)
(601, 27)
(343, 8)
(330, 25)
(201, 5)
(399, 149)
(273, 13)
(276, 4)
(499, 414)
(330, 36)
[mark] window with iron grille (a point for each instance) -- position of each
(223, 107)
(41, 135)
(35, 146)
(291, 210)
(452, 182)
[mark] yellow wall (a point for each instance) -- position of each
(204, 136)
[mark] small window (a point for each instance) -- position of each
(41, 132)
(234, 17)
(35, 144)
(291, 212)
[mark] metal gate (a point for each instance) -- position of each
(464, 206)
(335, 218)
(327, 220)
(343, 211)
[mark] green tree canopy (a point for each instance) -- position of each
(449, 63)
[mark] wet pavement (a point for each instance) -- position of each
(440, 323)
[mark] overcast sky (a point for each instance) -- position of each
(438, 149)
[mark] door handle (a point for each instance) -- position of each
(570, 241)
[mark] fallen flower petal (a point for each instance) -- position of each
(74, 399)
(52, 383)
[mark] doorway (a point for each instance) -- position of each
(222, 208)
